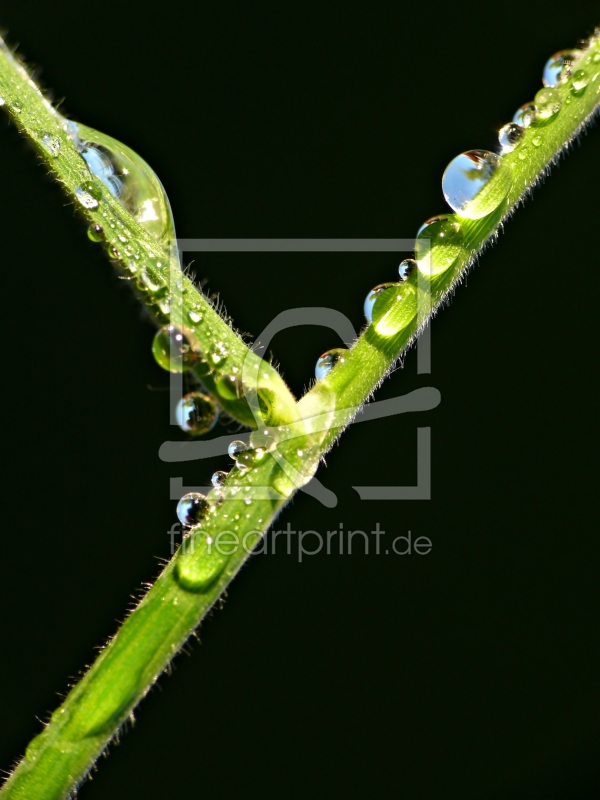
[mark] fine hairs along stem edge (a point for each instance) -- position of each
(290, 438)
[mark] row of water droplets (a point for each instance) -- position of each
(474, 184)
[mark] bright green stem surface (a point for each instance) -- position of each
(60, 757)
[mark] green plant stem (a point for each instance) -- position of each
(60, 757)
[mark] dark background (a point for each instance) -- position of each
(471, 672)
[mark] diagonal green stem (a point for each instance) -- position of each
(283, 460)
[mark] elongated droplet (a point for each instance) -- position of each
(229, 387)
(129, 178)
(191, 508)
(370, 300)
(52, 144)
(475, 183)
(438, 244)
(196, 413)
(580, 81)
(510, 136)
(406, 268)
(176, 349)
(525, 115)
(95, 233)
(328, 361)
(88, 195)
(559, 67)
(394, 309)
(547, 104)
(201, 561)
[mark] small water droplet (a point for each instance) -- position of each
(88, 195)
(128, 178)
(394, 309)
(547, 103)
(95, 233)
(580, 81)
(196, 413)
(149, 283)
(522, 153)
(406, 268)
(52, 144)
(559, 67)
(525, 115)
(195, 316)
(176, 349)
(328, 361)
(536, 141)
(219, 354)
(510, 136)
(475, 183)
(438, 244)
(164, 306)
(596, 58)
(191, 508)
(371, 297)
(218, 479)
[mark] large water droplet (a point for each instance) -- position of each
(509, 136)
(236, 447)
(328, 361)
(406, 268)
(547, 104)
(394, 309)
(88, 195)
(475, 183)
(201, 562)
(218, 478)
(229, 386)
(196, 413)
(176, 349)
(525, 115)
(438, 244)
(191, 508)
(559, 67)
(371, 297)
(580, 81)
(130, 179)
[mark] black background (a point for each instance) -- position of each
(470, 672)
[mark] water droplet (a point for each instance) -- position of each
(580, 81)
(523, 152)
(371, 297)
(2, 101)
(536, 141)
(219, 354)
(218, 479)
(394, 309)
(196, 413)
(406, 268)
(525, 115)
(509, 136)
(200, 563)
(52, 144)
(596, 58)
(149, 283)
(229, 387)
(176, 349)
(95, 233)
(195, 316)
(191, 508)
(88, 195)
(475, 183)
(236, 447)
(559, 67)
(328, 361)
(438, 244)
(130, 179)
(547, 103)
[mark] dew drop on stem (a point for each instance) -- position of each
(475, 183)
(196, 413)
